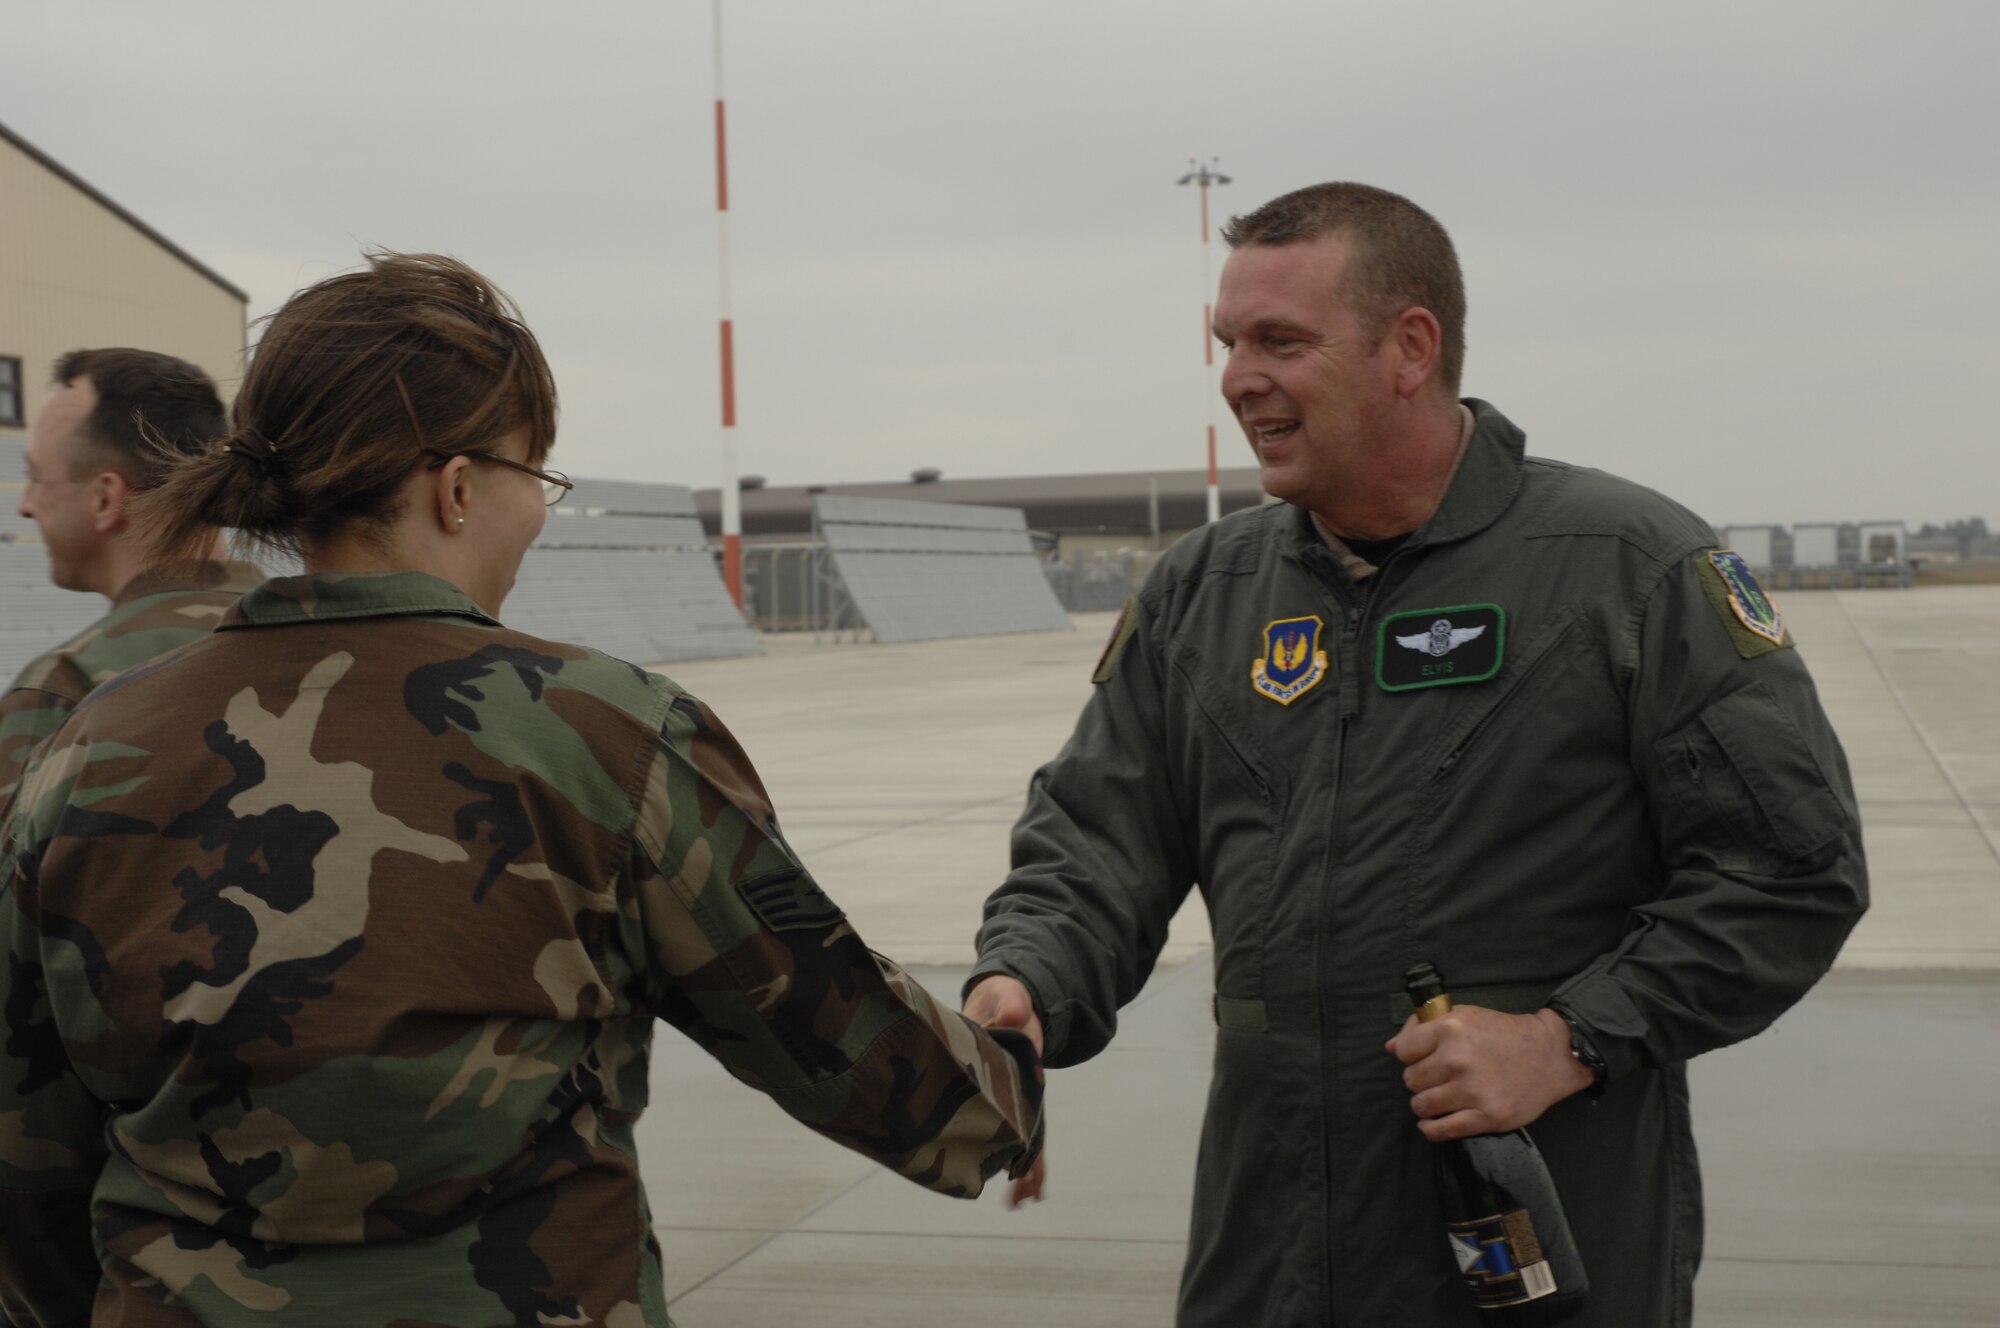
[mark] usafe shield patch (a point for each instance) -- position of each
(1753, 620)
(1292, 663)
(1439, 647)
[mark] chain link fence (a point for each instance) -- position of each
(1094, 582)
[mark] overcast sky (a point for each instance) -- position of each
(1743, 252)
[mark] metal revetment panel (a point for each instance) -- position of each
(919, 571)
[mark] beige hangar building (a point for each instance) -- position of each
(78, 270)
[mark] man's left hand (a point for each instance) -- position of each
(1478, 1071)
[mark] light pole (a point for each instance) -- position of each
(1204, 176)
(732, 499)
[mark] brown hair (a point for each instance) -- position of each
(354, 379)
(153, 411)
(1400, 256)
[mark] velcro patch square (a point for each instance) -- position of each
(1121, 634)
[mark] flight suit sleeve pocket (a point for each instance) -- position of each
(1752, 795)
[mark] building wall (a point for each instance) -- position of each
(74, 273)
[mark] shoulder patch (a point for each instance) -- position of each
(790, 900)
(1121, 634)
(1749, 614)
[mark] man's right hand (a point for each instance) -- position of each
(998, 1001)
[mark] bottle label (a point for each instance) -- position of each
(1500, 1260)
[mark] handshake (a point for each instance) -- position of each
(998, 1001)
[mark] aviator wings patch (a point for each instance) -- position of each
(1454, 644)
(1442, 638)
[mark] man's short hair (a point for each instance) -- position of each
(146, 402)
(1400, 256)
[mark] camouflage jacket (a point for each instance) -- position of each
(334, 944)
(157, 610)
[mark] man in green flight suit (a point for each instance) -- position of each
(1445, 702)
(108, 431)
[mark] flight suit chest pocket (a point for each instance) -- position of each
(1232, 793)
(1487, 712)
(1224, 761)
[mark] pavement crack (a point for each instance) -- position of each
(786, 1230)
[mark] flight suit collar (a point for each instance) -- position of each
(321, 596)
(1489, 475)
(1484, 485)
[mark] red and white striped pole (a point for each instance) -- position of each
(732, 498)
(1208, 357)
(1204, 176)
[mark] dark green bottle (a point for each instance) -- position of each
(1502, 1215)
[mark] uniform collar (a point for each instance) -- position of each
(1484, 484)
(1489, 475)
(204, 574)
(321, 596)
(1358, 567)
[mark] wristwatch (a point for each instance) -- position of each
(1581, 1047)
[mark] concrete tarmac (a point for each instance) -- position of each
(1853, 1176)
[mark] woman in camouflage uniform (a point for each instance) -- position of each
(335, 939)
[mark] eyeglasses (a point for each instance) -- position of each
(554, 483)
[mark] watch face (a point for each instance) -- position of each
(1581, 1048)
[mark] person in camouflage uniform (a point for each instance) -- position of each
(335, 940)
(109, 430)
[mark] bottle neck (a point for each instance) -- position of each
(1433, 1008)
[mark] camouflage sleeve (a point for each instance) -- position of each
(27, 715)
(751, 959)
(51, 1141)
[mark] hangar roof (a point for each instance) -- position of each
(76, 182)
(1057, 504)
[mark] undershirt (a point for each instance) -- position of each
(1375, 550)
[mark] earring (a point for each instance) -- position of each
(461, 521)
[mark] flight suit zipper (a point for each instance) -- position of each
(1350, 705)
(1349, 702)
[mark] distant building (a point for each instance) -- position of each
(1080, 515)
(1097, 534)
(77, 270)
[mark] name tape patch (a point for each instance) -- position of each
(1440, 647)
